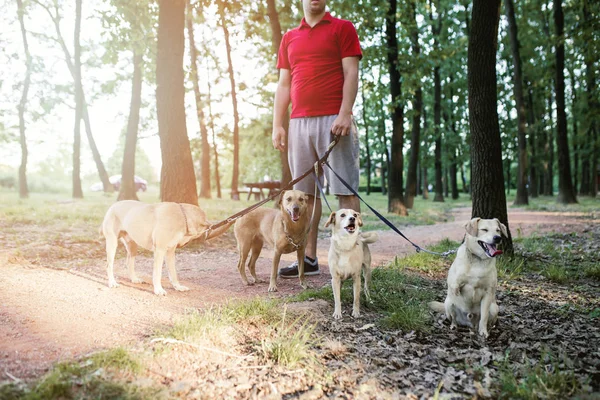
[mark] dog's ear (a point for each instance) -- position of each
(359, 219)
(472, 226)
(331, 220)
(280, 199)
(502, 227)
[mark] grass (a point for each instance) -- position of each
(548, 203)
(534, 380)
(100, 376)
(291, 345)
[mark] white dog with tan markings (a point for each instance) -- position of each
(158, 227)
(472, 279)
(348, 256)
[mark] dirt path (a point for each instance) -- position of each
(49, 314)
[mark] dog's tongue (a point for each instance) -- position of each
(495, 252)
(295, 217)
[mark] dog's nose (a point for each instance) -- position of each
(497, 239)
(295, 208)
(352, 219)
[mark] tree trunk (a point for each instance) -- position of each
(108, 187)
(487, 185)
(533, 181)
(521, 197)
(276, 35)
(211, 123)
(178, 181)
(415, 138)
(396, 186)
(591, 57)
(566, 192)
(205, 160)
(549, 153)
(23, 187)
(577, 143)
(437, 120)
(236, 118)
(128, 191)
(77, 191)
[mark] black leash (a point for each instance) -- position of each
(386, 221)
(246, 210)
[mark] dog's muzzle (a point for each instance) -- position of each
(490, 249)
(351, 227)
(294, 214)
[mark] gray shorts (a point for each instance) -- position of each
(308, 140)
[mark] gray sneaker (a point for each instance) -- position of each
(311, 267)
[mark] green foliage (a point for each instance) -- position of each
(547, 378)
(291, 344)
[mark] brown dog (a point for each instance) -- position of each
(285, 229)
(159, 227)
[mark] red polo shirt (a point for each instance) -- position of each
(314, 58)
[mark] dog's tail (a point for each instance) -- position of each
(437, 306)
(369, 237)
(220, 230)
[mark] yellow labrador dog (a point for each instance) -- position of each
(348, 255)
(472, 279)
(285, 229)
(159, 227)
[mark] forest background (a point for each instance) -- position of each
(100, 63)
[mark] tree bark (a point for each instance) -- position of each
(276, 36)
(128, 191)
(236, 118)
(591, 57)
(205, 160)
(211, 123)
(77, 191)
(23, 187)
(178, 181)
(396, 186)
(367, 145)
(566, 192)
(521, 197)
(437, 108)
(533, 173)
(489, 199)
(415, 138)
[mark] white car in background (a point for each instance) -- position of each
(140, 184)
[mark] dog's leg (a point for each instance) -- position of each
(367, 275)
(356, 286)
(243, 249)
(159, 257)
(336, 286)
(131, 248)
(486, 302)
(256, 249)
(111, 249)
(493, 313)
(300, 255)
(450, 313)
(173, 272)
(273, 281)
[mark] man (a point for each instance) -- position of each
(318, 74)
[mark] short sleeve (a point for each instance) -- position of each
(349, 43)
(283, 62)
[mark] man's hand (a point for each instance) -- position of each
(278, 137)
(342, 125)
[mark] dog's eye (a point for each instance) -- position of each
(343, 215)
(355, 215)
(301, 199)
(288, 199)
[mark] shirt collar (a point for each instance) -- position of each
(326, 18)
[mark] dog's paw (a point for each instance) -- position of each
(356, 314)
(180, 288)
(112, 284)
(337, 315)
(483, 333)
(272, 288)
(135, 279)
(160, 291)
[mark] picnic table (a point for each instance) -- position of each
(272, 186)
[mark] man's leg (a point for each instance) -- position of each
(311, 244)
(349, 201)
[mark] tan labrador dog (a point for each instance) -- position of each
(348, 255)
(159, 227)
(472, 278)
(285, 229)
